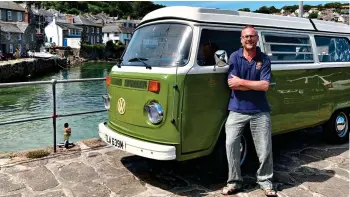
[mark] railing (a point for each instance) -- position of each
(54, 116)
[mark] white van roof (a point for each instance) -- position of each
(231, 17)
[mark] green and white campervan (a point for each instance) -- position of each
(168, 97)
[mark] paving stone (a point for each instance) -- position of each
(53, 194)
(326, 186)
(310, 161)
(68, 155)
(344, 164)
(107, 170)
(295, 191)
(13, 195)
(36, 163)
(39, 179)
(125, 185)
(284, 178)
(6, 184)
(195, 193)
(342, 173)
(283, 160)
(90, 189)
(77, 172)
(323, 154)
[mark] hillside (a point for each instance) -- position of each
(122, 9)
(138, 9)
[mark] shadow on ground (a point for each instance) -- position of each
(301, 157)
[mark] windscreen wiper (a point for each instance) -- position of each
(140, 59)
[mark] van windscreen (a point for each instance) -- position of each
(159, 45)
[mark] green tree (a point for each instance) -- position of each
(264, 10)
(313, 15)
(244, 9)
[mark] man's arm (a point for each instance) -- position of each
(262, 85)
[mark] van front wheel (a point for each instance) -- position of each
(218, 157)
(336, 129)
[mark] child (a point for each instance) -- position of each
(67, 132)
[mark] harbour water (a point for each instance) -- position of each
(36, 101)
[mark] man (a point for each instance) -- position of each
(249, 78)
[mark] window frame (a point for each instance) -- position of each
(330, 36)
(9, 15)
(214, 28)
(11, 48)
(264, 33)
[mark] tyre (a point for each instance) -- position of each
(218, 157)
(336, 129)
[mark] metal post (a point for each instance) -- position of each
(54, 81)
(301, 9)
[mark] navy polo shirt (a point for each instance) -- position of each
(259, 68)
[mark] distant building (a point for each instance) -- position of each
(111, 32)
(16, 31)
(63, 34)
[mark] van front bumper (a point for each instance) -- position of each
(135, 146)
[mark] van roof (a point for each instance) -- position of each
(231, 17)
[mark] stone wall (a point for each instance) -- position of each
(24, 70)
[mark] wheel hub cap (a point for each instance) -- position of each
(341, 124)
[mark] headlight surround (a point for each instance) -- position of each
(107, 101)
(155, 112)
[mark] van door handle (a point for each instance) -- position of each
(272, 84)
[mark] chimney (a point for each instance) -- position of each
(70, 19)
(26, 17)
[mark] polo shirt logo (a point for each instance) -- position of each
(258, 65)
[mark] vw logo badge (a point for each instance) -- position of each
(121, 106)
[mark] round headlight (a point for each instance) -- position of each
(155, 112)
(107, 101)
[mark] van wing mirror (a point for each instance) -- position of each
(221, 58)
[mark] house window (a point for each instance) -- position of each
(8, 35)
(20, 48)
(19, 16)
(32, 37)
(11, 48)
(9, 15)
(107, 34)
(98, 39)
(98, 30)
(19, 36)
(288, 48)
(333, 49)
(92, 30)
(0, 14)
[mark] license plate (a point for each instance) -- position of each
(115, 142)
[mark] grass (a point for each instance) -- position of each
(37, 153)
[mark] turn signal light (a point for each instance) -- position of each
(108, 80)
(153, 86)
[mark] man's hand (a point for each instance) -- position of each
(234, 82)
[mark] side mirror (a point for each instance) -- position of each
(221, 58)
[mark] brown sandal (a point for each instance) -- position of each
(270, 193)
(229, 190)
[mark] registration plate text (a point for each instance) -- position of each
(115, 142)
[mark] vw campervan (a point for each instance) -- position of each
(168, 97)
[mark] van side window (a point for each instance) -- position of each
(213, 40)
(332, 49)
(287, 48)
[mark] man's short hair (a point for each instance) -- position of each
(248, 26)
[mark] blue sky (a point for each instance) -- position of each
(235, 5)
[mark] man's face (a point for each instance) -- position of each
(249, 38)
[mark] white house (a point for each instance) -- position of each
(111, 32)
(63, 34)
